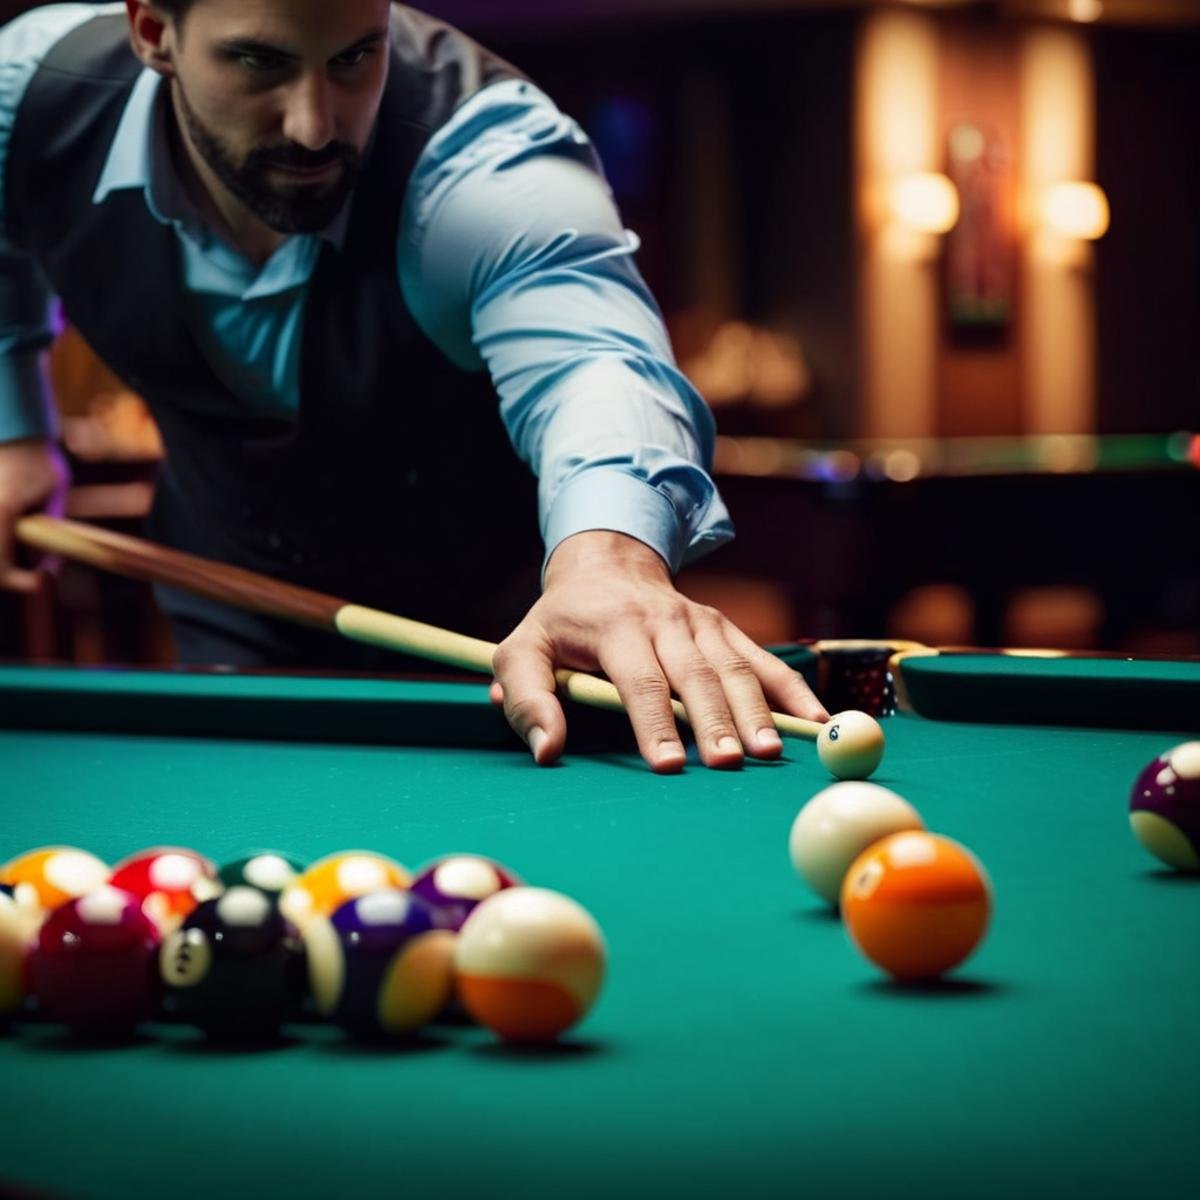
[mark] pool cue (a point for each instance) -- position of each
(138, 559)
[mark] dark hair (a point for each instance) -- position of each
(174, 8)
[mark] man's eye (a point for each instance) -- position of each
(260, 62)
(354, 58)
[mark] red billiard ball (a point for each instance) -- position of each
(170, 880)
(95, 962)
(1164, 808)
(453, 886)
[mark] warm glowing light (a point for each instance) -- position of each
(902, 466)
(924, 201)
(1085, 10)
(1076, 210)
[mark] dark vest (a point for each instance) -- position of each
(396, 486)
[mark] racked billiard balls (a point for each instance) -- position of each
(916, 904)
(850, 745)
(235, 967)
(268, 871)
(52, 875)
(379, 966)
(331, 881)
(170, 880)
(838, 824)
(529, 964)
(454, 885)
(14, 951)
(95, 962)
(1164, 807)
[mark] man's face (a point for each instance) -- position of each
(279, 98)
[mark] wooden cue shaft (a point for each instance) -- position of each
(121, 554)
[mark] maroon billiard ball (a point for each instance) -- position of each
(1164, 807)
(453, 886)
(95, 963)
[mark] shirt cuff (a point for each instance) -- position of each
(26, 409)
(621, 503)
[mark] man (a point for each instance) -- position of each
(302, 231)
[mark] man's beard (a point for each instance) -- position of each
(295, 208)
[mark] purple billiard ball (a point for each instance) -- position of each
(1164, 808)
(454, 886)
(380, 966)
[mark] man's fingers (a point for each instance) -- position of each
(696, 681)
(646, 695)
(496, 693)
(12, 577)
(17, 580)
(741, 687)
(785, 689)
(525, 683)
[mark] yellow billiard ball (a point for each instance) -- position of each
(329, 883)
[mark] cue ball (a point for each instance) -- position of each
(332, 881)
(235, 967)
(916, 904)
(95, 962)
(52, 875)
(850, 745)
(379, 966)
(1164, 807)
(838, 824)
(529, 964)
(455, 885)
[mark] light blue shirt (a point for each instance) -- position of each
(512, 258)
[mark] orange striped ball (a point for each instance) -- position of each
(529, 964)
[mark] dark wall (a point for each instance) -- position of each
(1148, 265)
(785, 156)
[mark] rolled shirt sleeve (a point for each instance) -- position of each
(513, 258)
(26, 409)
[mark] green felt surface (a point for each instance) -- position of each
(740, 1047)
(1103, 692)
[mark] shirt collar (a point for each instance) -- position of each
(140, 159)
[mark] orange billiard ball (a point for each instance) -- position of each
(916, 904)
(332, 881)
(51, 876)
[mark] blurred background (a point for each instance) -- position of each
(936, 267)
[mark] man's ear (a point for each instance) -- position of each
(149, 36)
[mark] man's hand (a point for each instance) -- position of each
(609, 604)
(34, 477)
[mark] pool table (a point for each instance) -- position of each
(740, 1047)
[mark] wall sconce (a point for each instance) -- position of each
(923, 202)
(1078, 211)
